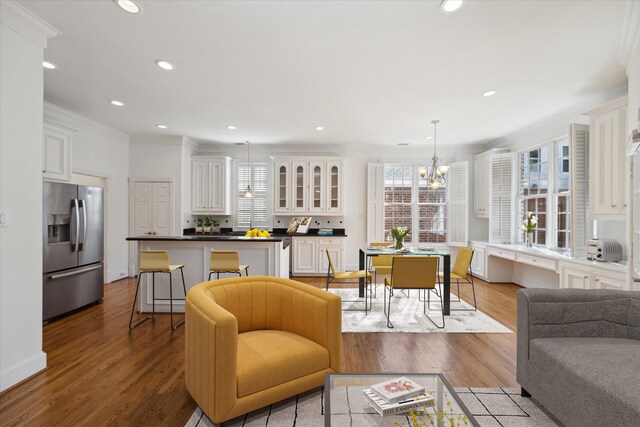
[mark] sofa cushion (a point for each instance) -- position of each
(605, 371)
(268, 358)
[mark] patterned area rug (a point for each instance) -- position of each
(491, 407)
(407, 315)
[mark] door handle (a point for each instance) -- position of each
(84, 225)
(76, 210)
(73, 273)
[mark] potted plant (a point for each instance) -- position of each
(199, 225)
(399, 233)
(215, 225)
(529, 225)
(207, 224)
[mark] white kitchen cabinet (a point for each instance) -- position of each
(57, 142)
(478, 261)
(282, 186)
(602, 280)
(310, 256)
(308, 186)
(573, 277)
(607, 161)
(210, 185)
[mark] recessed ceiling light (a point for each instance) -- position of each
(49, 65)
(450, 6)
(231, 127)
(403, 144)
(429, 137)
(161, 126)
(128, 6)
(490, 92)
(165, 65)
(319, 127)
(117, 103)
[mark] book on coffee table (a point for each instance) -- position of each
(403, 406)
(397, 389)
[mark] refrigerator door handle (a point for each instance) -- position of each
(73, 273)
(76, 210)
(84, 226)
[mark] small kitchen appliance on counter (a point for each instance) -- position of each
(604, 250)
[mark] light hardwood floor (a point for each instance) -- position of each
(101, 374)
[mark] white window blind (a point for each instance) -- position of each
(579, 189)
(501, 229)
(458, 204)
(375, 202)
(252, 211)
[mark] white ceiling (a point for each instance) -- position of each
(374, 72)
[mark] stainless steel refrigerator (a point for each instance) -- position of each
(73, 237)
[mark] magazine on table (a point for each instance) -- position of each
(383, 408)
(397, 389)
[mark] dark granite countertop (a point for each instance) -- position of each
(208, 238)
(277, 232)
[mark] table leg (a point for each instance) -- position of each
(361, 280)
(447, 285)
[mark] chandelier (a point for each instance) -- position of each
(435, 174)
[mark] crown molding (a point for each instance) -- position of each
(59, 115)
(156, 140)
(26, 23)
(630, 40)
(556, 125)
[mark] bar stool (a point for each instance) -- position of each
(157, 262)
(226, 262)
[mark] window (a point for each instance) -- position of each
(534, 188)
(561, 196)
(409, 202)
(252, 211)
(544, 179)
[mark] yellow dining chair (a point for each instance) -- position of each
(333, 275)
(226, 262)
(413, 272)
(380, 264)
(461, 268)
(157, 262)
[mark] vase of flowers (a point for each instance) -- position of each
(399, 233)
(529, 225)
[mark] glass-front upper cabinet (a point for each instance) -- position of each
(282, 186)
(334, 186)
(317, 200)
(299, 186)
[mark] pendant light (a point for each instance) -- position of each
(435, 176)
(248, 194)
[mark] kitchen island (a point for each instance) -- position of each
(266, 256)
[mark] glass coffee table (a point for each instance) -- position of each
(346, 405)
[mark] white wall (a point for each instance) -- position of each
(98, 150)
(23, 38)
(159, 157)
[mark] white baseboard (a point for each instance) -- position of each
(15, 374)
(112, 276)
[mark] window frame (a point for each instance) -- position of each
(415, 207)
(237, 193)
(551, 196)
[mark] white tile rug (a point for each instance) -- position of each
(491, 407)
(407, 315)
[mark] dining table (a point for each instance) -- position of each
(374, 251)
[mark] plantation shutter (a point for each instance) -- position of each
(375, 202)
(256, 175)
(458, 204)
(579, 189)
(501, 228)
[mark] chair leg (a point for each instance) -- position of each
(217, 275)
(153, 292)
(473, 288)
(389, 324)
(131, 327)
(173, 327)
(441, 308)
(210, 273)
(246, 271)
(184, 286)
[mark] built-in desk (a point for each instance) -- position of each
(266, 256)
(543, 268)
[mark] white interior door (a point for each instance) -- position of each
(143, 201)
(161, 208)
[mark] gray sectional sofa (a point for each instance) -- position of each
(579, 354)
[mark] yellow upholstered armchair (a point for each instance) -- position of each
(253, 341)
